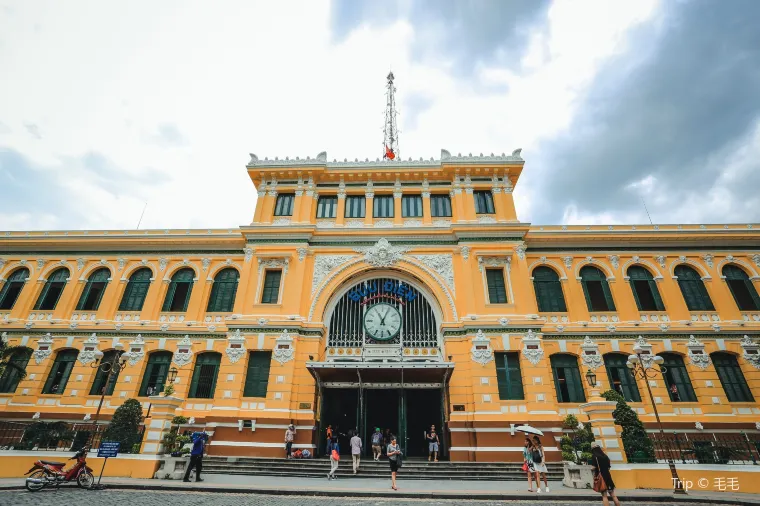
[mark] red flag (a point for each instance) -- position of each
(389, 153)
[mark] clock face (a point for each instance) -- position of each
(382, 322)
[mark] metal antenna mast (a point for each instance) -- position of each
(390, 129)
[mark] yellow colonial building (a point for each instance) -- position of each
(386, 293)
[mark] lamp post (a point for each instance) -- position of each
(117, 363)
(643, 369)
(591, 379)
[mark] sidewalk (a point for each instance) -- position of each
(415, 489)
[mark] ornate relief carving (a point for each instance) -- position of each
(383, 224)
(520, 250)
(235, 346)
(708, 258)
(80, 263)
(323, 264)
(162, 262)
(751, 352)
(44, 349)
(248, 252)
(326, 224)
(442, 265)
(283, 348)
(486, 219)
(184, 353)
(503, 321)
(660, 259)
(121, 262)
(465, 252)
(615, 261)
(352, 223)
(205, 262)
(41, 263)
(382, 254)
(274, 263)
(412, 223)
(2, 263)
(532, 349)
(591, 356)
(441, 223)
(86, 356)
(647, 358)
(302, 252)
(755, 258)
(481, 351)
(492, 261)
(278, 222)
(568, 261)
(697, 354)
(136, 350)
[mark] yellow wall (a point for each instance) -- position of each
(122, 466)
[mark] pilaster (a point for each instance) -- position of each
(606, 433)
(162, 410)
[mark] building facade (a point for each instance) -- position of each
(394, 294)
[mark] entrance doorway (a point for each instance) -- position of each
(408, 413)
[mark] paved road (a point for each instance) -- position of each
(150, 498)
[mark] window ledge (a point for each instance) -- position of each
(264, 306)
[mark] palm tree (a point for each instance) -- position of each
(7, 354)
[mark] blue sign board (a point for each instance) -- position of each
(390, 287)
(108, 449)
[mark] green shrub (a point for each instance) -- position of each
(636, 442)
(576, 446)
(124, 426)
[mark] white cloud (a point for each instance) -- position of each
(229, 78)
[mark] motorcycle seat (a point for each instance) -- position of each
(51, 463)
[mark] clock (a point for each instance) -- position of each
(382, 322)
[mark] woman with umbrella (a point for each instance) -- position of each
(530, 451)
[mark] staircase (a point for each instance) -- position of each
(413, 469)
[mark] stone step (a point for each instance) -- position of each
(385, 475)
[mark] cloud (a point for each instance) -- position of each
(673, 120)
(33, 130)
(167, 135)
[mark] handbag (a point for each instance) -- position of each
(599, 484)
(399, 460)
(525, 466)
(335, 455)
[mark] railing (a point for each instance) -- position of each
(703, 448)
(55, 436)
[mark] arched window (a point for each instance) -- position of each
(567, 378)
(206, 370)
(548, 291)
(693, 289)
(136, 291)
(155, 373)
(621, 378)
(12, 288)
(60, 372)
(731, 377)
(52, 290)
(644, 289)
(596, 289)
(93, 290)
(101, 376)
(14, 369)
(179, 291)
(741, 288)
(677, 379)
(223, 291)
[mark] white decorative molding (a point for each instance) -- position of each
(492, 261)
(354, 223)
(590, 355)
(88, 354)
(184, 353)
(567, 260)
(699, 426)
(382, 254)
(302, 252)
(274, 263)
(544, 261)
(755, 258)
(684, 260)
(751, 352)
(532, 349)
(662, 260)
(697, 354)
(41, 263)
(647, 358)
(486, 219)
(412, 223)
(481, 351)
(323, 264)
(235, 346)
(441, 223)
(503, 321)
(248, 252)
(80, 263)
(121, 262)
(465, 252)
(731, 259)
(442, 265)
(708, 258)
(615, 261)
(520, 250)
(637, 260)
(136, 350)
(283, 348)
(382, 224)
(205, 262)
(162, 263)
(44, 349)
(596, 263)
(279, 222)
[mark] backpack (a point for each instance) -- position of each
(537, 456)
(377, 438)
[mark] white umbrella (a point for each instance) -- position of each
(529, 430)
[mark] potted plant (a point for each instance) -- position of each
(576, 453)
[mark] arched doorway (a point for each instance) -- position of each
(384, 362)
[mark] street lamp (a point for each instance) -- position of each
(591, 378)
(117, 363)
(172, 375)
(642, 368)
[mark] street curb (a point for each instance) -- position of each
(669, 499)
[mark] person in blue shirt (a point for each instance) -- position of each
(196, 456)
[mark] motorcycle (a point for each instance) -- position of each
(46, 472)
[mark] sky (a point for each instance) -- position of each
(107, 106)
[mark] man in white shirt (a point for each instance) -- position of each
(356, 451)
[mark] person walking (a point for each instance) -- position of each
(386, 440)
(433, 442)
(356, 451)
(529, 466)
(601, 464)
(333, 450)
(377, 444)
(539, 463)
(289, 435)
(196, 456)
(329, 434)
(394, 455)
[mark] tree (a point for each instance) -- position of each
(576, 446)
(636, 442)
(124, 426)
(7, 354)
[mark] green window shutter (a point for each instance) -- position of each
(257, 376)
(136, 291)
(60, 372)
(619, 374)
(693, 289)
(676, 374)
(355, 206)
(284, 204)
(656, 294)
(156, 372)
(514, 376)
(549, 295)
(169, 297)
(501, 375)
(608, 296)
(10, 379)
(497, 293)
(223, 291)
(411, 206)
(731, 378)
(271, 292)
(440, 206)
(589, 305)
(101, 376)
(205, 374)
(566, 367)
